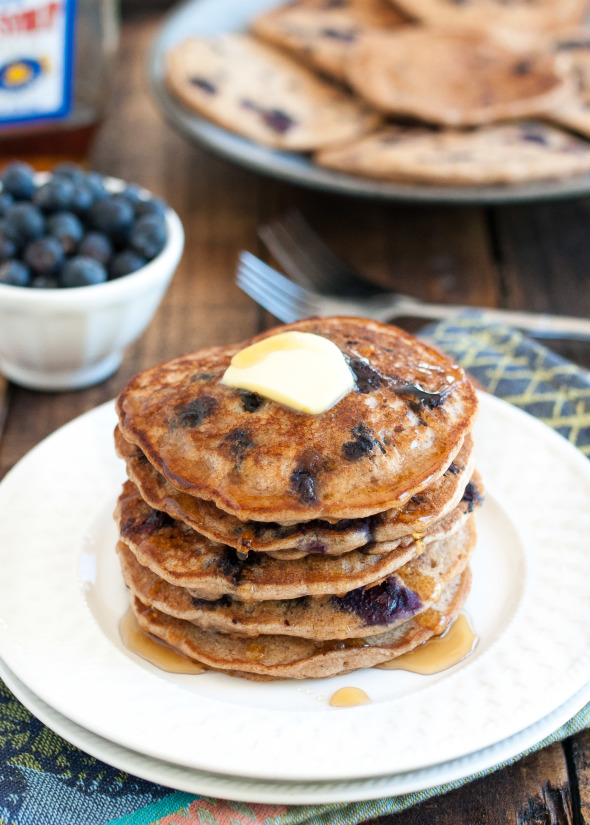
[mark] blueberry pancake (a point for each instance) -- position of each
(574, 113)
(257, 91)
(321, 33)
(297, 540)
(542, 16)
(503, 154)
(446, 525)
(453, 78)
(383, 443)
(361, 612)
(292, 657)
(183, 557)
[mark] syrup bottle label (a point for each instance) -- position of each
(37, 42)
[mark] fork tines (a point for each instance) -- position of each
(280, 296)
(304, 255)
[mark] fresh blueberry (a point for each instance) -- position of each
(113, 216)
(14, 273)
(44, 282)
(71, 171)
(67, 229)
(44, 256)
(153, 206)
(125, 263)
(148, 236)
(96, 245)
(132, 192)
(82, 197)
(55, 195)
(17, 179)
(8, 232)
(81, 271)
(96, 183)
(6, 200)
(7, 247)
(24, 222)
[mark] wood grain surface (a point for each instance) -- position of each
(529, 257)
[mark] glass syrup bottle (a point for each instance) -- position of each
(56, 65)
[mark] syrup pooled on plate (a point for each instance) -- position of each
(349, 697)
(154, 652)
(439, 653)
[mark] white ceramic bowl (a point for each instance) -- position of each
(63, 339)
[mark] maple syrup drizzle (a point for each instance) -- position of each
(153, 651)
(349, 697)
(255, 652)
(340, 644)
(439, 653)
(432, 620)
(427, 588)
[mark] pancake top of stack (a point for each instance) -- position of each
(376, 448)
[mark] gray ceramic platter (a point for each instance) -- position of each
(208, 17)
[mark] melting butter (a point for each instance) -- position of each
(303, 371)
(349, 697)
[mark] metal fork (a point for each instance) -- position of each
(310, 261)
(289, 302)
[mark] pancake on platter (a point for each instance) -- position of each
(574, 113)
(395, 435)
(297, 540)
(453, 78)
(296, 658)
(320, 33)
(362, 612)
(263, 94)
(542, 16)
(507, 153)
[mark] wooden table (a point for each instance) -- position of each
(529, 257)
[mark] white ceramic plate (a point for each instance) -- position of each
(62, 599)
(290, 793)
(207, 17)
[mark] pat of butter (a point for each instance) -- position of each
(303, 371)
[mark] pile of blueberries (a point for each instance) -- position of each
(70, 231)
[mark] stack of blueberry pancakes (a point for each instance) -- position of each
(271, 543)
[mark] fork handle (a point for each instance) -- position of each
(536, 324)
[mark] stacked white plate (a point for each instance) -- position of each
(281, 742)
